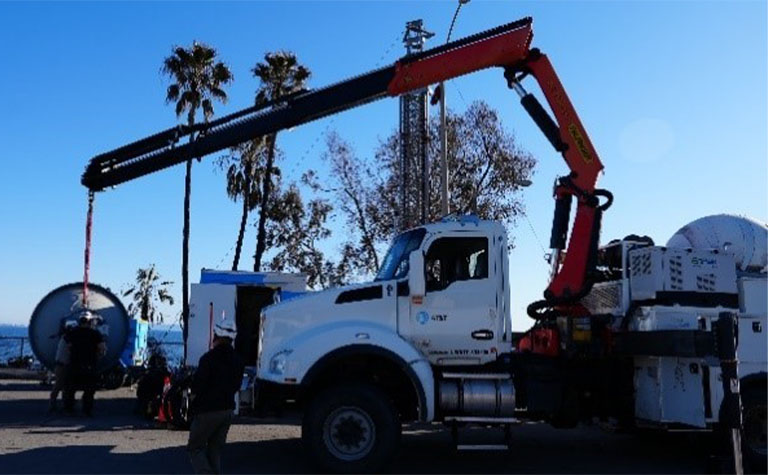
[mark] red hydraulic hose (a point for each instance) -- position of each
(87, 256)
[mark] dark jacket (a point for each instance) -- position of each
(84, 348)
(216, 380)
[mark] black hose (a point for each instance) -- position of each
(608, 196)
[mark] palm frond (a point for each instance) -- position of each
(207, 109)
(221, 74)
(219, 94)
(172, 93)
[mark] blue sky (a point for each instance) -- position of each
(673, 95)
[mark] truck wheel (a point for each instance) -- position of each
(351, 428)
(113, 378)
(755, 413)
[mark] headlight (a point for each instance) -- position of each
(278, 362)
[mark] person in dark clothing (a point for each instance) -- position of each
(86, 347)
(61, 369)
(217, 379)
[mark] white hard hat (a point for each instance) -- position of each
(90, 317)
(225, 329)
(85, 316)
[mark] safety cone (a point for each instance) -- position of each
(161, 415)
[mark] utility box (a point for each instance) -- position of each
(668, 391)
(660, 273)
(239, 296)
(135, 351)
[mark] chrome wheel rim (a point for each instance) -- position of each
(349, 433)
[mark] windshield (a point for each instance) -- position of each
(395, 263)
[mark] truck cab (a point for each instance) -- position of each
(442, 290)
(439, 305)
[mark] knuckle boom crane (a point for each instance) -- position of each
(506, 46)
(429, 346)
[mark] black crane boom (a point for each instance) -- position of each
(164, 149)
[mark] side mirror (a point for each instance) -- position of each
(416, 282)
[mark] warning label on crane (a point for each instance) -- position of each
(580, 143)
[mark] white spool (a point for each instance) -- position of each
(745, 238)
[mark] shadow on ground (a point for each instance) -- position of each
(427, 451)
(537, 448)
(261, 457)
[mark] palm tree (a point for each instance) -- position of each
(280, 74)
(243, 166)
(197, 80)
(148, 291)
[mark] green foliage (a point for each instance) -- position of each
(244, 166)
(295, 234)
(279, 75)
(147, 293)
(199, 80)
(486, 168)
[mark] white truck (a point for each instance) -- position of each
(235, 295)
(429, 340)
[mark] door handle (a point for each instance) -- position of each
(482, 334)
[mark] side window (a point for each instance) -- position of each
(454, 259)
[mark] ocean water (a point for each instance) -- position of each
(14, 342)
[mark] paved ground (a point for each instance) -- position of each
(115, 441)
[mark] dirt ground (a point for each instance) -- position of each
(116, 441)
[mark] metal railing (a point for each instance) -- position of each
(18, 347)
(14, 347)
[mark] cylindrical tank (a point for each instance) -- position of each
(477, 397)
(746, 239)
(65, 304)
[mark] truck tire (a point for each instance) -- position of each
(113, 378)
(176, 406)
(755, 411)
(351, 429)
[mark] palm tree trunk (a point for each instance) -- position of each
(185, 244)
(243, 219)
(261, 237)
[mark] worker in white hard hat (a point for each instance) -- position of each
(86, 347)
(61, 369)
(217, 378)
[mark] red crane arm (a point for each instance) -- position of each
(506, 46)
(510, 50)
(580, 155)
(419, 71)
(571, 280)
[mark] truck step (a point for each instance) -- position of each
(477, 419)
(505, 422)
(482, 447)
(477, 376)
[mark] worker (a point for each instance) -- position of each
(86, 347)
(218, 376)
(61, 364)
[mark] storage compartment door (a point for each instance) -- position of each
(207, 304)
(250, 301)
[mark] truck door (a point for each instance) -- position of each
(208, 303)
(456, 321)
